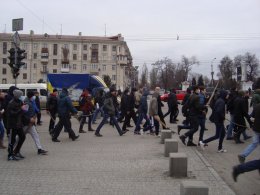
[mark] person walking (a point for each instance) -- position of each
(52, 108)
(15, 111)
(2, 129)
(240, 113)
(109, 112)
(256, 139)
(87, 107)
(172, 106)
(29, 123)
(153, 110)
(99, 99)
(38, 104)
(219, 118)
(195, 108)
(65, 107)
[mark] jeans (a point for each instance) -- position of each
(231, 126)
(2, 130)
(202, 121)
(35, 136)
(252, 146)
(220, 134)
(100, 109)
(139, 121)
(248, 166)
(114, 120)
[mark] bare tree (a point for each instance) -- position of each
(144, 76)
(187, 63)
(153, 78)
(227, 70)
(251, 62)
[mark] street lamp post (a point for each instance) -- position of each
(212, 72)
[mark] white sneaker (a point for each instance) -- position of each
(222, 151)
(202, 145)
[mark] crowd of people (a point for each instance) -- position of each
(20, 117)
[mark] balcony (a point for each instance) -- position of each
(65, 68)
(44, 70)
(122, 60)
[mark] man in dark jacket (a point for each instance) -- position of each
(109, 111)
(219, 118)
(240, 113)
(195, 108)
(52, 108)
(15, 124)
(65, 107)
(256, 140)
(172, 105)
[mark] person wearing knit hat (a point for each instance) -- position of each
(15, 124)
(29, 124)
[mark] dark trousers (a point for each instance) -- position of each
(202, 121)
(194, 123)
(39, 116)
(237, 132)
(249, 166)
(63, 121)
(113, 119)
(52, 121)
(171, 111)
(157, 126)
(83, 121)
(127, 121)
(220, 134)
(12, 140)
(139, 121)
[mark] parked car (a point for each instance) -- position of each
(179, 94)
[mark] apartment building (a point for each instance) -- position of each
(68, 54)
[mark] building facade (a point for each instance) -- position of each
(68, 54)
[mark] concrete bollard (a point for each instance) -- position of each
(170, 146)
(165, 134)
(192, 187)
(178, 165)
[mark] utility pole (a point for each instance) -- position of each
(212, 72)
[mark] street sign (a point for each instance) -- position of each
(17, 24)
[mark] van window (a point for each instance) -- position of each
(43, 92)
(23, 90)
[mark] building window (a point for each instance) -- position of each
(25, 46)
(75, 46)
(85, 47)
(114, 48)
(113, 77)
(35, 56)
(94, 66)
(35, 46)
(104, 67)
(55, 62)
(85, 56)
(104, 47)
(4, 61)
(84, 67)
(113, 67)
(4, 71)
(74, 56)
(74, 66)
(24, 75)
(94, 53)
(4, 47)
(55, 49)
(4, 81)
(54, 71)
(34, 65)
(25, 66)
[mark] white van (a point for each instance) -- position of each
(40, 87)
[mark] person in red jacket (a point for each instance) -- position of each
(87, 108)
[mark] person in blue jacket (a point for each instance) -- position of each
(65, 108)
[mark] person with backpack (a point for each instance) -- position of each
(87, 107)
(52, 108)
(195, 108)
(109, 112)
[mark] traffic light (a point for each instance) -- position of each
(11, 58)
(20, 56)
(15, 72)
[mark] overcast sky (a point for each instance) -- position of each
(207, 29)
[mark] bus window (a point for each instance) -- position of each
(43, 92)
(23, 90)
